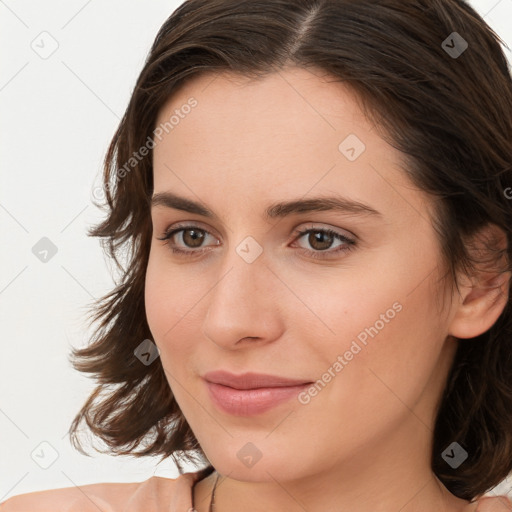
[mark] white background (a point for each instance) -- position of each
(58, 115)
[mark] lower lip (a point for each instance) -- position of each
(247, 402)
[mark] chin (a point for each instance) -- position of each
(276, 466)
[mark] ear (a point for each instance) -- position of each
(485, 293)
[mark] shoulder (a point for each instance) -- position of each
(494, 504)
(149, 495)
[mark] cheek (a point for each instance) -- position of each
(154, 296)
(380, 380)
(164, 292)
(171, 316)
(163, 302)
(384, 325)
(172, 308)
(390, 354)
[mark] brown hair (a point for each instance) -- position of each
(449, 113)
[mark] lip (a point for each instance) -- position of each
(251, 380)
(251, 393)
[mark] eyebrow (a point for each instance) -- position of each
(276, 210)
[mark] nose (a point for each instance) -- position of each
(243, 305)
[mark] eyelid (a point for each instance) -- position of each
(295, 231)
(190, 224)
(323, 226)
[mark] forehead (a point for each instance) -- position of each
(288, 100)
(289, 133)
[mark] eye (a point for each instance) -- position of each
(190, 235)
(320, 239)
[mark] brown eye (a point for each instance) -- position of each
(192, 237)
(320, 240)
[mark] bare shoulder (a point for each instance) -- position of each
(102, 496)
(494, 504)
(107, 497)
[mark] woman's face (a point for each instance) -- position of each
(358, 319)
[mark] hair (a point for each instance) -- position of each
(449, 115)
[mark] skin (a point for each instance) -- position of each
(364, 441)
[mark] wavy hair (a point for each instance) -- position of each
(445, 106)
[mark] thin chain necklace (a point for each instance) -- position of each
(212, 501)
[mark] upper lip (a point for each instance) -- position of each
(251, 380)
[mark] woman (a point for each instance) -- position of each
(316, 306)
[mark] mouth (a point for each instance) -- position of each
(251, 393)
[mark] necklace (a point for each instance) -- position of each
(212, 502)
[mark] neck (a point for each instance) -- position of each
(230, 496)
(372, 480)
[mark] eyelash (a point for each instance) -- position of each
(350, 244)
